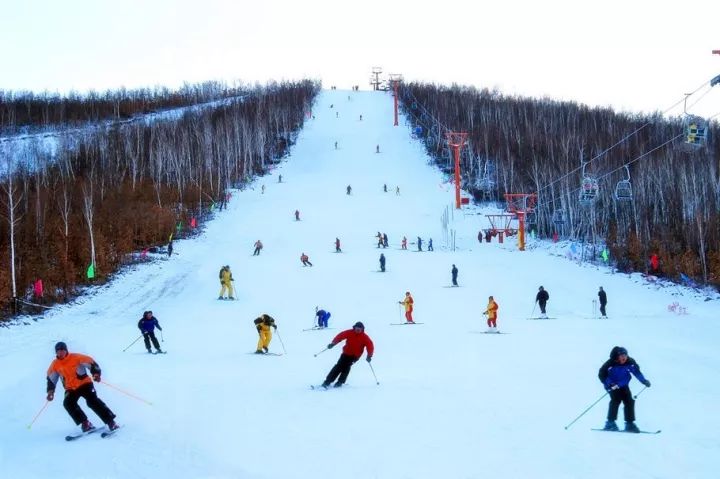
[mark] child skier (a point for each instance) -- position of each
(323, 317)
(615, 376)
(73, 368)
(147, 325)
(408, 303)
(263, 325)
(382, 262)
(491, 313)
(356, 342)
(226, 280)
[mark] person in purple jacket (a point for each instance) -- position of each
(615, 375)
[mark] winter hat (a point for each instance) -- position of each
(61, 346)
(359, 325)
(617, 351)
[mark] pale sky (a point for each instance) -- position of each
(635, 55)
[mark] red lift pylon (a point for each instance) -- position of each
(521, 204)
(395, 79)
(456, 140)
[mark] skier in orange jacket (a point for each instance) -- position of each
(491, 313)
(72, 369)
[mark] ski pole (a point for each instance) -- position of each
(138, 338)
(373, 371)
(533, 311)
(317, 354)
(38, 414)
(161, 336)
(281, 341)
(127, 393)
(641, 391)
(586, 410)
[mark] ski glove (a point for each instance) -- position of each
(368, 359)
(96, 377)
(331, 345)
(646, 383)
(50, 395)
(275, 326)
(613, 387)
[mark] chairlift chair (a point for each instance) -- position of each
(588, 191)
(695, 131)
(623, 189)
(558, 217)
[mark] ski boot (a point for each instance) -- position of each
(259, 351)
(149, 351)
(159, 351)
(86, 426)
(610, 426)
(325, 385)
(113, 425)
(337, 385)
(265, 349)
(631, 427)
(220, 297)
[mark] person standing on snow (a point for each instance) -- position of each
(382, 262)
(419, 243)
(397, 191)
(385, 187)
(323, 317)
(356, 342)
(603, 301)
(541, 299)
(348, 190)
(385, 240)
(615, 376)
(258, 247)
(72, 369)
(403, 245)
(147, 325)
(379, 237)
(297, 215)
(279, 178)
(430, 246)
(454, 273)
(337, 245)
(170, 248)
(226, 280)
(377, 148)
(491, 313)
(263, 325)
(305, 260)
(408, 302)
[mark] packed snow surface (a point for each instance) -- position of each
(451, 403)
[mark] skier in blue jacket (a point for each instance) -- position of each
(147, 325)
(615, 375)
(322, 318)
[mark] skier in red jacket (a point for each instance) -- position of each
(356, 342)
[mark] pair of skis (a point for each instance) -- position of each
(105, 433)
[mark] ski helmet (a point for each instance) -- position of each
(359, 325)
(61, 346)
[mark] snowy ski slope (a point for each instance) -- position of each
(452, 403)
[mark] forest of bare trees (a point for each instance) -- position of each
(78, 210)
(523, 145)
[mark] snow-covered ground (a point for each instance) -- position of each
(451, 402)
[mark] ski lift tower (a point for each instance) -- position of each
(521, 205)
(375, 79)
(456, 140)
(395, 79)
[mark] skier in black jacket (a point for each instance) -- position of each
(542, 298)
(147, 325)
(603, 301)
(382, 262)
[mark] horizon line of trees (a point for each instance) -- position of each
(125, 188)
(526, 145)
(27, 109)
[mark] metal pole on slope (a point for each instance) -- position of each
(586, 410)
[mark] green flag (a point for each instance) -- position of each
(179, 226)
(212, 207)
(605, 255)
(91, 271)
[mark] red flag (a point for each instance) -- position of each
(38, 288)
(654, 262)
(193, 223)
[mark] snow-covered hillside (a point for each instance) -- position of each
(451, 403)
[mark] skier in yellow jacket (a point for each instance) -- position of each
(263, 325)
(226, 280)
